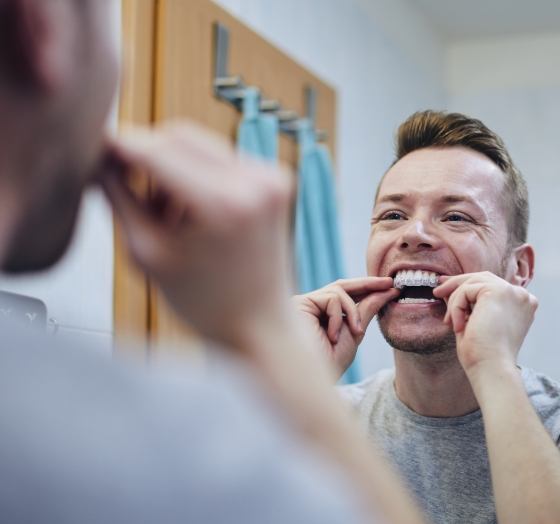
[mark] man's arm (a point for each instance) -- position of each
(525, 462)
(491, 318)
(216, 241)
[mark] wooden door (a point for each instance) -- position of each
(169, 70)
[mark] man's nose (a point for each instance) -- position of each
(417, 235)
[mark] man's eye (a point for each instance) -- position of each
(456, 217)
(392, 215)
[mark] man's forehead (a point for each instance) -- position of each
(453, 171)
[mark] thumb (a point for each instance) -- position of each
(124, 202)
(370, 306)
(140, 231)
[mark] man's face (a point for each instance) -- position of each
(67, 141)
(439, 210)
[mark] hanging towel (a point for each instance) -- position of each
(258, 133)
(317, 237)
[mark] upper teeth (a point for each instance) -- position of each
(415, 278)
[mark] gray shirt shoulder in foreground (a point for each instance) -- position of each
(443, 460)
(89, 440)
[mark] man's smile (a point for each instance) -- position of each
(416, 286)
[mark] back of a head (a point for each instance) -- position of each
(58, 72)
(441, 129)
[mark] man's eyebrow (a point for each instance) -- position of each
(447, 199)
(395, 197)
(454, 199)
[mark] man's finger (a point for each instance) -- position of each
(350, 308)
(461, 304)
(177, 170)
(358, 287)
(370, 306)
(124, 202)
(449, 284)
(334, 313)
(200, 141)
(141, 232)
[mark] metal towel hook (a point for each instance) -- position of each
(231, 89)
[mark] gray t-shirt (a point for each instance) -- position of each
(87, 440)
(443, 460)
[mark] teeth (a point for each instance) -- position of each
(415, 278)
(415, 300)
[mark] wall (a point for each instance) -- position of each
(78, 292)
(385, 62)
(513, 85)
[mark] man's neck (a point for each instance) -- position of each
(433, 385)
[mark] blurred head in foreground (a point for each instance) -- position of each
(58, 74)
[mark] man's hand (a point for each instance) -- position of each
(490, 318)
(340, 313)
(214, 231)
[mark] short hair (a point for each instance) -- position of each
(441, 129)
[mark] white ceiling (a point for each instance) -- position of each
(462, 19)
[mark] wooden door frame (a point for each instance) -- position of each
(136, 107)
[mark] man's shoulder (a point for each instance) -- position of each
(374, 385)
(540, 387)
(544, 394)
(141, 430)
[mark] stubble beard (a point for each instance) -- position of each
(43, 236)
(427, 344)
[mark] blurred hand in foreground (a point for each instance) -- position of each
(213, 232)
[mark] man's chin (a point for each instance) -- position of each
(26, 259)
(40, 240)
(422, 338)
(39, 247)
(423, 345)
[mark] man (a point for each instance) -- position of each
(449, 262)
(86, 440)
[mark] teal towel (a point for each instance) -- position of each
(258, 133)
(317, 237)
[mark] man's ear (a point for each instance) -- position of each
(523, 265)
(35, 42)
